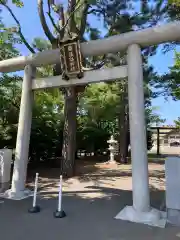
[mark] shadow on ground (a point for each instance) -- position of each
(87, 218)
(115, 176)
(86, 169)
(90, 208)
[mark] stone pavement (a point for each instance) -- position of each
(87, 219)
(91, 202)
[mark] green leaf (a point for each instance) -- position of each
(18, 3)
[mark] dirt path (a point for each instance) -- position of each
(102, 175)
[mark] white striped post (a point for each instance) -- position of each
(35, 208)
(59, 213)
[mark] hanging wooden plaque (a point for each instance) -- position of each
(70, 57)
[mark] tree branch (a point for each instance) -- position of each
(51, 18)
(71, 10)
(97, 66)
(102, 11)
(61, 12)
(19, 28)
(61, 21)
(69, 22)
(45, 27)
(83, 20)
(100, 64)
(52, 21)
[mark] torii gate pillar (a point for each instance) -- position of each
(18, 191)
(140, 211)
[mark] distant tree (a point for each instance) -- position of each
(169, 83)
(177, 122)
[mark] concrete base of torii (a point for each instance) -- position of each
(9, 194)
(154, 217)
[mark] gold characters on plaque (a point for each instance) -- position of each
(70, 56)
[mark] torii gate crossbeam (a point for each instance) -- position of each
(132, 41)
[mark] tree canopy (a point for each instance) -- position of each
(99, 109)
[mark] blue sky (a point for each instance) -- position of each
(28, 16)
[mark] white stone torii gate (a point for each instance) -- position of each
(132, 41)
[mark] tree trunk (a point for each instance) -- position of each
(69, 135)
(69, 132)
(123, 125)
(123, 138)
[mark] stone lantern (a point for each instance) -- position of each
(112, 144)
